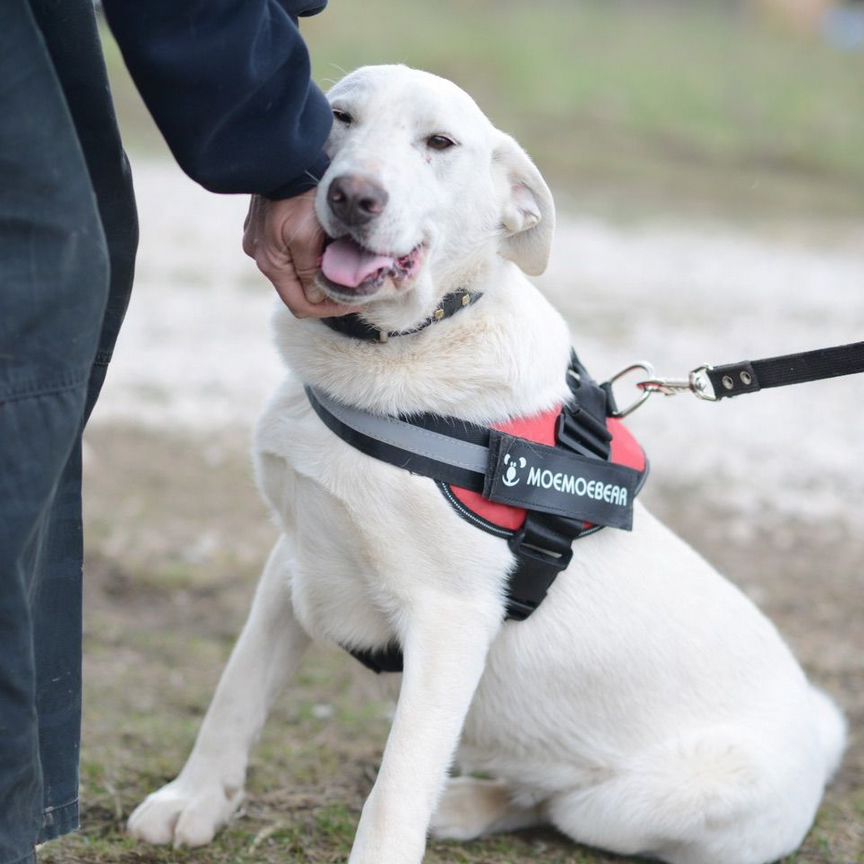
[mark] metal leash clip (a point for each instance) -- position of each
(697, 383)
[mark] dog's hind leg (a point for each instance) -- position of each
(190, 809)
(708, 797)
(471, 808)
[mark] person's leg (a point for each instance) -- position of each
(72, 40)
(54, 276)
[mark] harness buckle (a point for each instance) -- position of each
(580, 431)
(536, 568)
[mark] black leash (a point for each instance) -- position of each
(713, 383)
(748, 377)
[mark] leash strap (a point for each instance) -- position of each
(749, 376)
(713, 383)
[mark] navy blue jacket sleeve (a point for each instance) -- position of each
(228, 83)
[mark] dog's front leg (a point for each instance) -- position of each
(191, 808)
(445, 641)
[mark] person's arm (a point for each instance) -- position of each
(228, 83)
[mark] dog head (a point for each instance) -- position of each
(422, 191)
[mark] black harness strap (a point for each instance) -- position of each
(379, 438)
(379, 660)
(544, 545)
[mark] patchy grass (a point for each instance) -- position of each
(156, 643)
(633, 108)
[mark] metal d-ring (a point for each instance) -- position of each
(648, 369)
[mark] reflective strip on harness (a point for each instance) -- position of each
(421, 451)
(511, 471)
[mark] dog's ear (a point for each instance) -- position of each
(528, 211)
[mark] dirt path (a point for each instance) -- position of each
(769, 489)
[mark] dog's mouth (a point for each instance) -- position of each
(351, 271)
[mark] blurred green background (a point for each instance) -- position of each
(727, 108)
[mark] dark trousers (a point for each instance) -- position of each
(68, 234)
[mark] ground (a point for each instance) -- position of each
(177, 535)
(766, 487)
(711, 177)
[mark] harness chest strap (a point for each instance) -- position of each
(507, 519)
(510, 480)
(572, 479)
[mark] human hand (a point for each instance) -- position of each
(287, 242)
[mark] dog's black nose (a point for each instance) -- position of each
(356, 200)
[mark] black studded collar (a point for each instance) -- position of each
(357, 327)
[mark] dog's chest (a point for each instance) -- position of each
(295, 467)
(366, 535)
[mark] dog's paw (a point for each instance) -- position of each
(471, 808)
(468, 809)
(182, 815)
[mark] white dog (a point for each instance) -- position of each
(647, 707)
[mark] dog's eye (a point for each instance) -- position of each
(343, 116)
(440, 142)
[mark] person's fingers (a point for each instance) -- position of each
(313, 293)
(295, 299)
(292, 292)
(287, 242)
(250, 226)
(304, 239)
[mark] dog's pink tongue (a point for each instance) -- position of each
(347, 263)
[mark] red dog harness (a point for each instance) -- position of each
(539, 483)
(625, 450)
